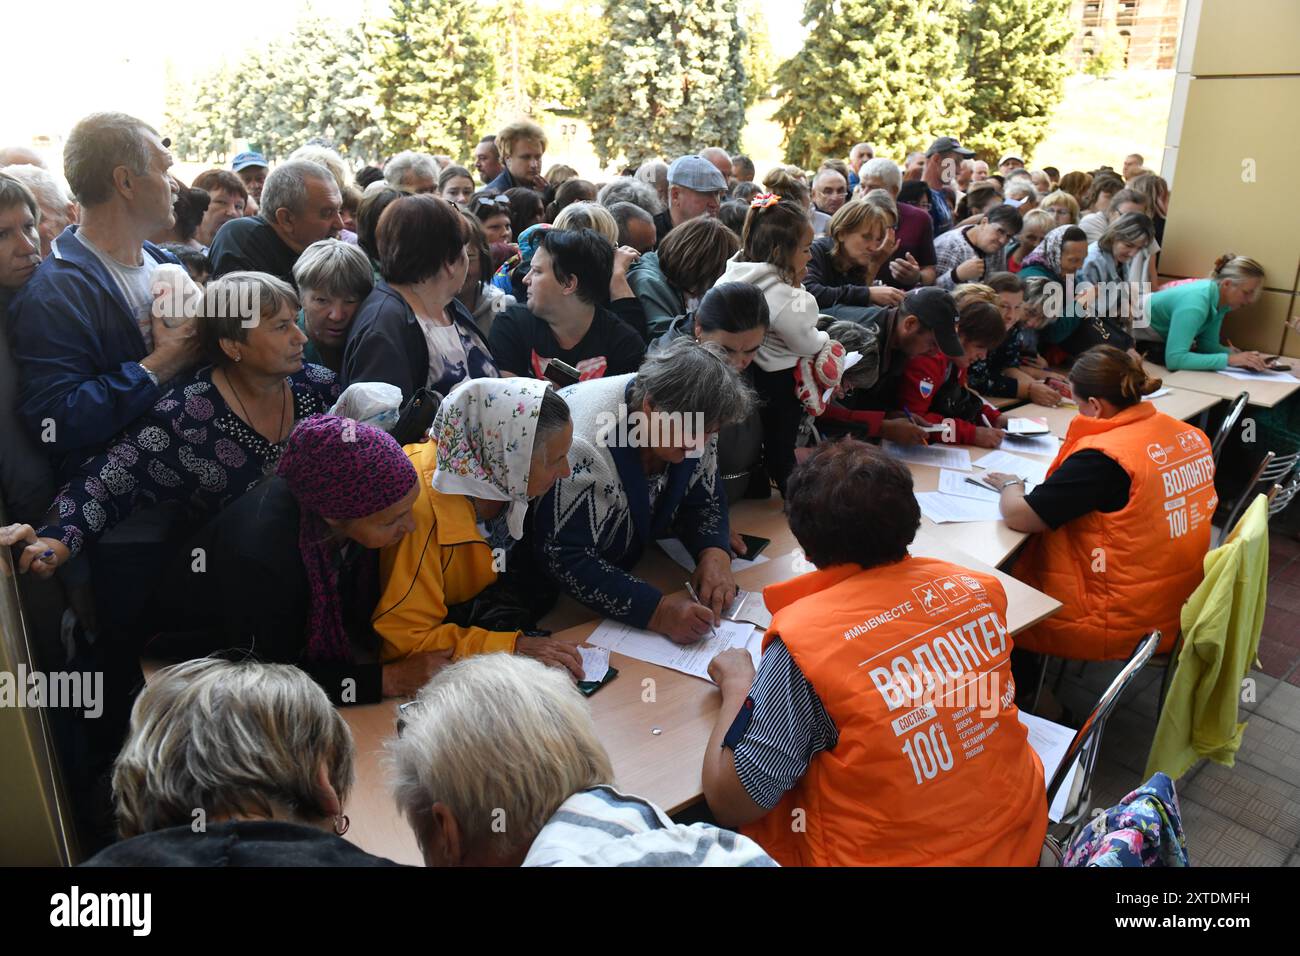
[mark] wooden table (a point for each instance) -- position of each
(663, 767)
(1263, 393)
(1179, 403)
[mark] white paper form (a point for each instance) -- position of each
(674, 548)
(1032, 444)
(942, 509)
(595, 662)
(1158, 393)
(1050, 741)
(1269, 376)
(936, 456)
(654, 648)
(1027, 426)
(749, 606)
(958, 483)
(1034, 472)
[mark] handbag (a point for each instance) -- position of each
(416, 416)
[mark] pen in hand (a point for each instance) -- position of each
(713, 632)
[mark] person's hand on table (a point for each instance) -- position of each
(1001, 421)
(988, 437)
(1251, 360)
(907, 271)
(41, 556)
(903, 431)
(733, 670)
(681, 619)
(1000, 478)
(551, 652)
(404, 678)
(738, 544)
(1040, 393)
(713, 581)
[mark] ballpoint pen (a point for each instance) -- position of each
(713, 632)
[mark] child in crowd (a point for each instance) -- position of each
(1004, 373)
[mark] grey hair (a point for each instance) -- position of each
(624, 213)
(1130, 227)
(691, 378)
(886, 170)
(588, 215)
(1019, 189)
(496, 734)
(286, 187)
(409, 161)
(334, 268)
(1037, 289)
(230, 739)
(47, 190)
(331, 160)
(629, 189)
(97, 145)
(228, 302)
(654, 172)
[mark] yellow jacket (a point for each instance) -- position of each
(445, 561)
(1222, 621)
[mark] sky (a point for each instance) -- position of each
(126, 48)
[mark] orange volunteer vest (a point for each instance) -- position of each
(932, 767)
(1121, 574)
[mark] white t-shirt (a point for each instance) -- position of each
(134, 282)
(446, 350)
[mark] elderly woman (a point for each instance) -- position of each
(645, 466)
(1062, 206)
(333, 279)
(485, 724)
(673, 279)
(213, 435)
(496, 445)
(859, 240)
(817, 731)
(1075, 327)
(1187, 318)
(253, 752)
(411, 331)
(1106, 267)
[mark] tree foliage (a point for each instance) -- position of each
(876, 70)
(1015, 57)
(672, 79)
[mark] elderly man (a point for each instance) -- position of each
(20, 156)
(1133, 164)
(487, 159)
(252, 169)
(718, 157)
(742, 169)
(979, 171)
(913, 262)
(636, 227)
(859, 154)
(1021, 194)
(58, 210)
(91, 348)
(630, 189)
(655, 173)
(941, 162)
(412, 172)
(1009, 162)
(695, 188)
(913, 167)
(522, 144)
(830, 191)
(300, 205)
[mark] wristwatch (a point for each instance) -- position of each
(1013, 481)
(153, 376)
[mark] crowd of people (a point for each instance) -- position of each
(352, 428)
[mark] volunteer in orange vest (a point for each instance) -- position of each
(881, 728)
(1124, 516)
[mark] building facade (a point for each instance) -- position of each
(1144, 32)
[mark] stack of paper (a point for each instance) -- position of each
(1033, 444)
(654, 648)
(1034, 472)
(941, 508)
(1269, 376)
(936, 456)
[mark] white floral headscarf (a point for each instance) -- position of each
(485, 430)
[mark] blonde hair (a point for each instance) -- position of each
(1061, 198)
(349, 191)
(1231, 267)
(1038, 217)
(969, 292)
(230, 739)
(588, 215)
(512, 133)
(493, 736)
(857, 214)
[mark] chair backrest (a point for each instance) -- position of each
(1229, 423)
(1087, 741)
(1247, 496)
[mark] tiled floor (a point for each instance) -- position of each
(1246, 815)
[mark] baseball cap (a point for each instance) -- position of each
(1008, 156)
(948, 144)
(244, 160)
(937, 311)
(697, 173)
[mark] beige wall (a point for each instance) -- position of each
(1230, 158)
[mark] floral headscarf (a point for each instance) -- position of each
(485, 430)
(1048, 253)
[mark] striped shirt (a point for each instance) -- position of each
(602, 827)
(786, 727)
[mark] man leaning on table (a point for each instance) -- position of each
(881, 728)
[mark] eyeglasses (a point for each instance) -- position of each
(501, 201)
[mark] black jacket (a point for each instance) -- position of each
(238, 843)
(830, 286)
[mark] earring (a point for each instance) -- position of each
(341, 824)
(238, 358)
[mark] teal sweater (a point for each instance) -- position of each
(1190, 315)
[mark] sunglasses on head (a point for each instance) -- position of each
(483, 202)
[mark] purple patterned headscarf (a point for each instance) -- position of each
(338, 469)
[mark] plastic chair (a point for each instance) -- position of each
(1228, 424)
(1086, 744)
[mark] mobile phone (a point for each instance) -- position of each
(589, 687)
(1278, 366)
(754, 546)
(561, 373)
